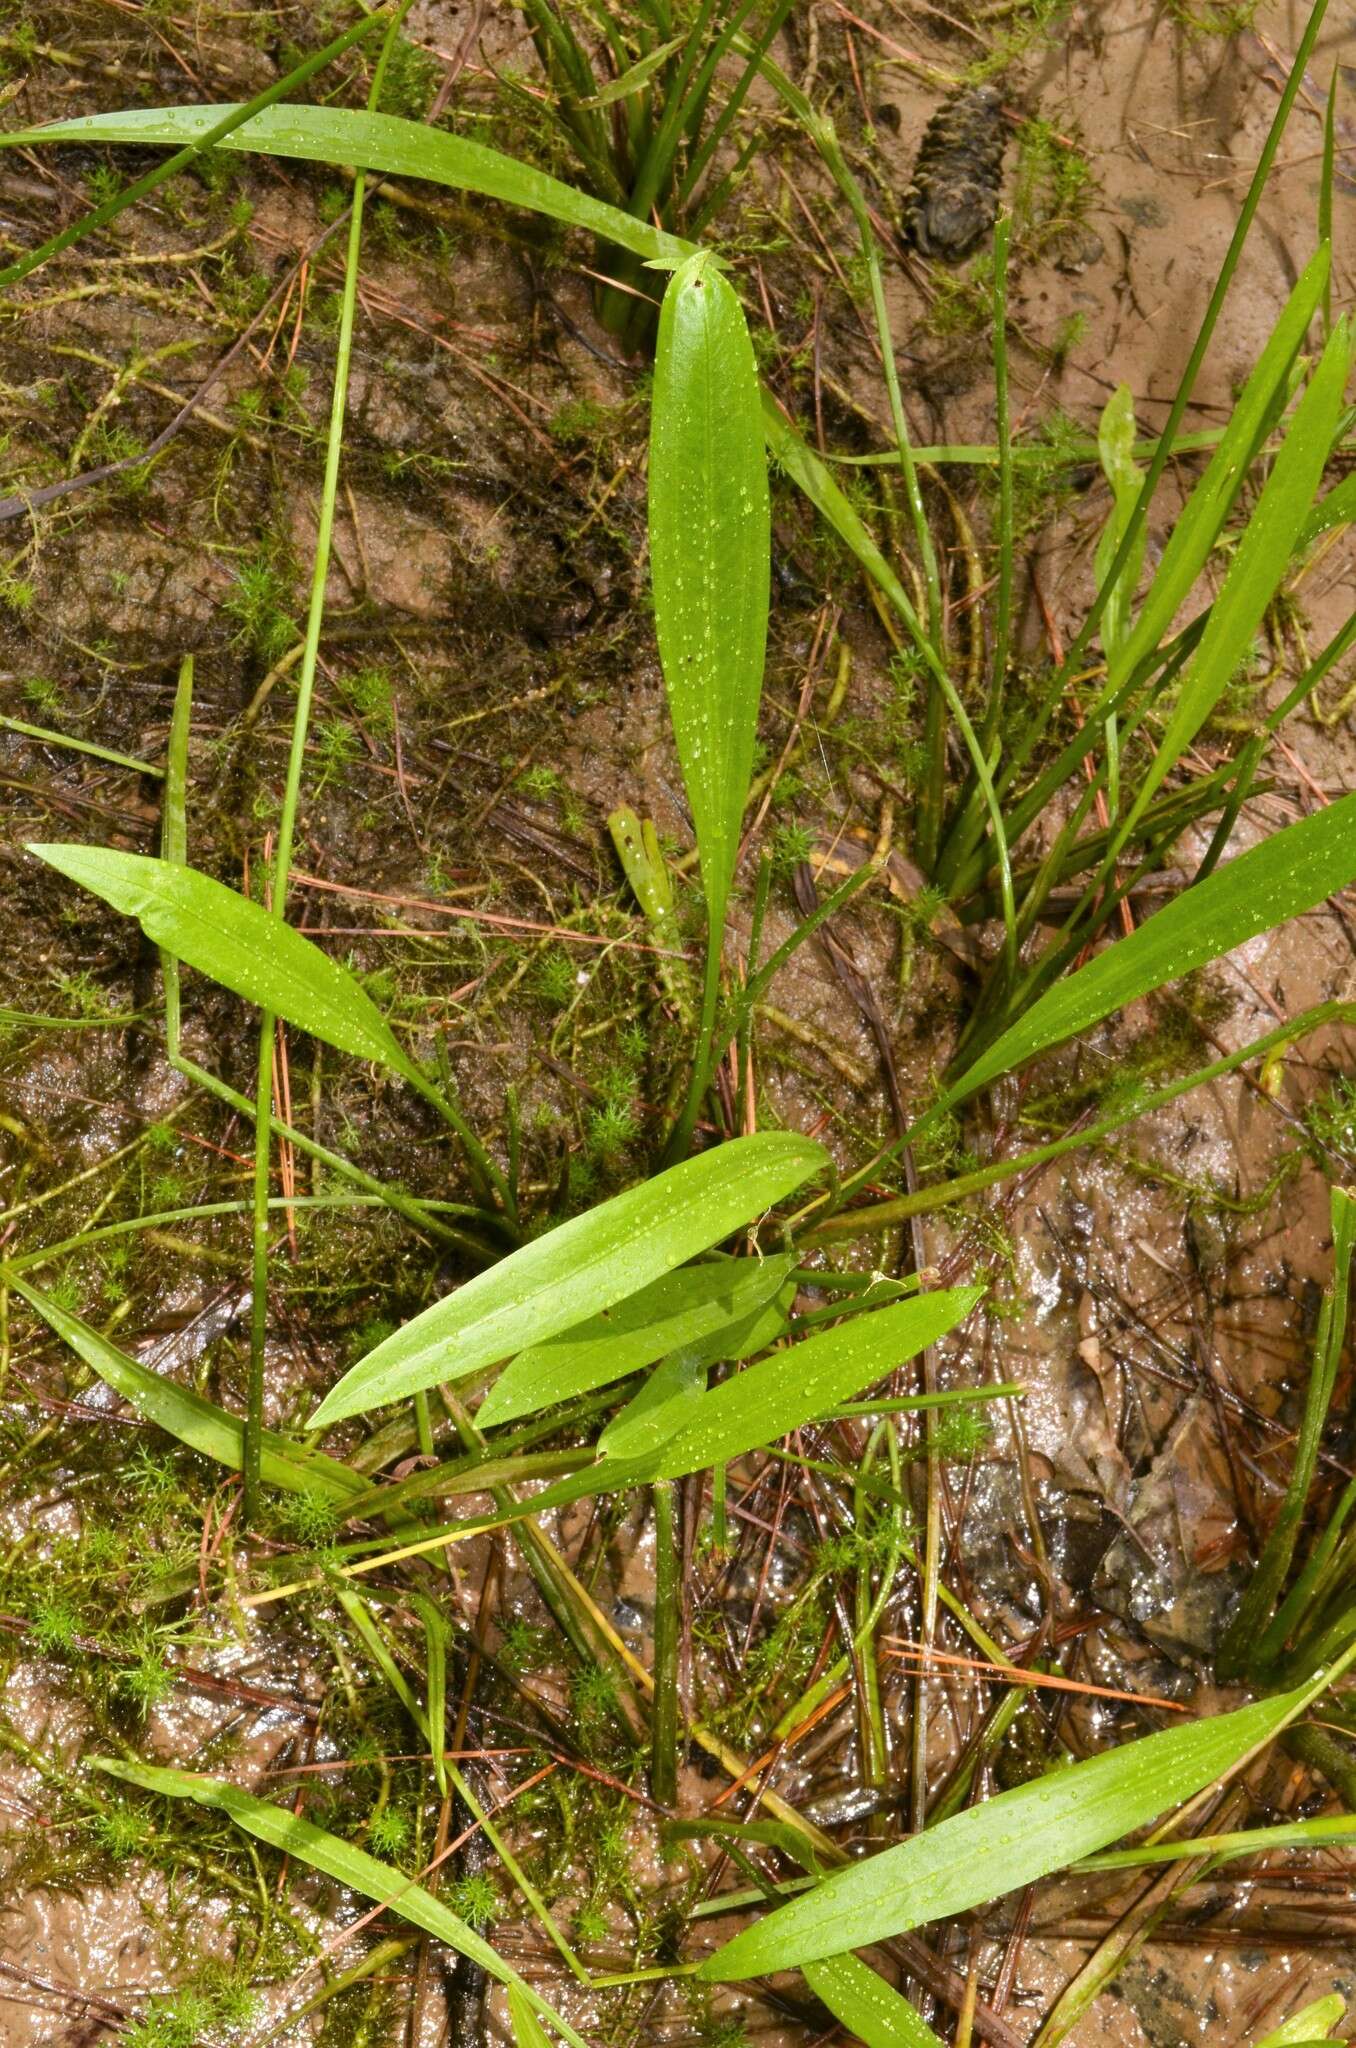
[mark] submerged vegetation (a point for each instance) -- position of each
(567, 1436)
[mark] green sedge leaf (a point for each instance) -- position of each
(1286, 874)
(528, 2031)
(1336, 508)
(580, 1268)
(222, 933)
(677, 1310)
(710, 553)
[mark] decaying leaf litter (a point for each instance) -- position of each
(1158, 1298)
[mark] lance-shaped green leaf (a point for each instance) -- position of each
(580, 1268)
(710, 553)
(379, 142)
(699, 1303)
(867, 2006)
(1007, 1842)
(665, 1401)
(186, 1415)
(1286, 874)
(224, 934)
(282, 1829)
(800, 1384)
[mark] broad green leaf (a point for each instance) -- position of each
(867, 2006)
(633, 79)
(1286, 874)
(237, 942)
(1007, 1842)
(294, 1836)
(802, 1382)
(1261, 561)
(580, 1268)
(784, 1391)
(1313, 2024)
(186, 1415)
(1115, 447)
(679, 1309)
(710, 553)
(384, 143)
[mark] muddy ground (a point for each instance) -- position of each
(488, 693)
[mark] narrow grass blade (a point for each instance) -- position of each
(1336, 508)
(1261, 561)
(1143, 1102)
(1330, 1831)
(238, 943)
(1195, 532)
(1201, 520)
(867, 2006)
(347, 1865)
(1325, 184)
(710, 554)
(430, 1723)
(64, 739)
(1257, 185)
(633, 79)
(385, 143)
(580, 1268)
(790, 1388)
(187, 1416)
(1282, 877)
(1115, 448)
(527, 2028)
(1311, 2027)
(812, 476)
(1247, 1643)
(214, 132)
(1007, 1842)
(681, 1309)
